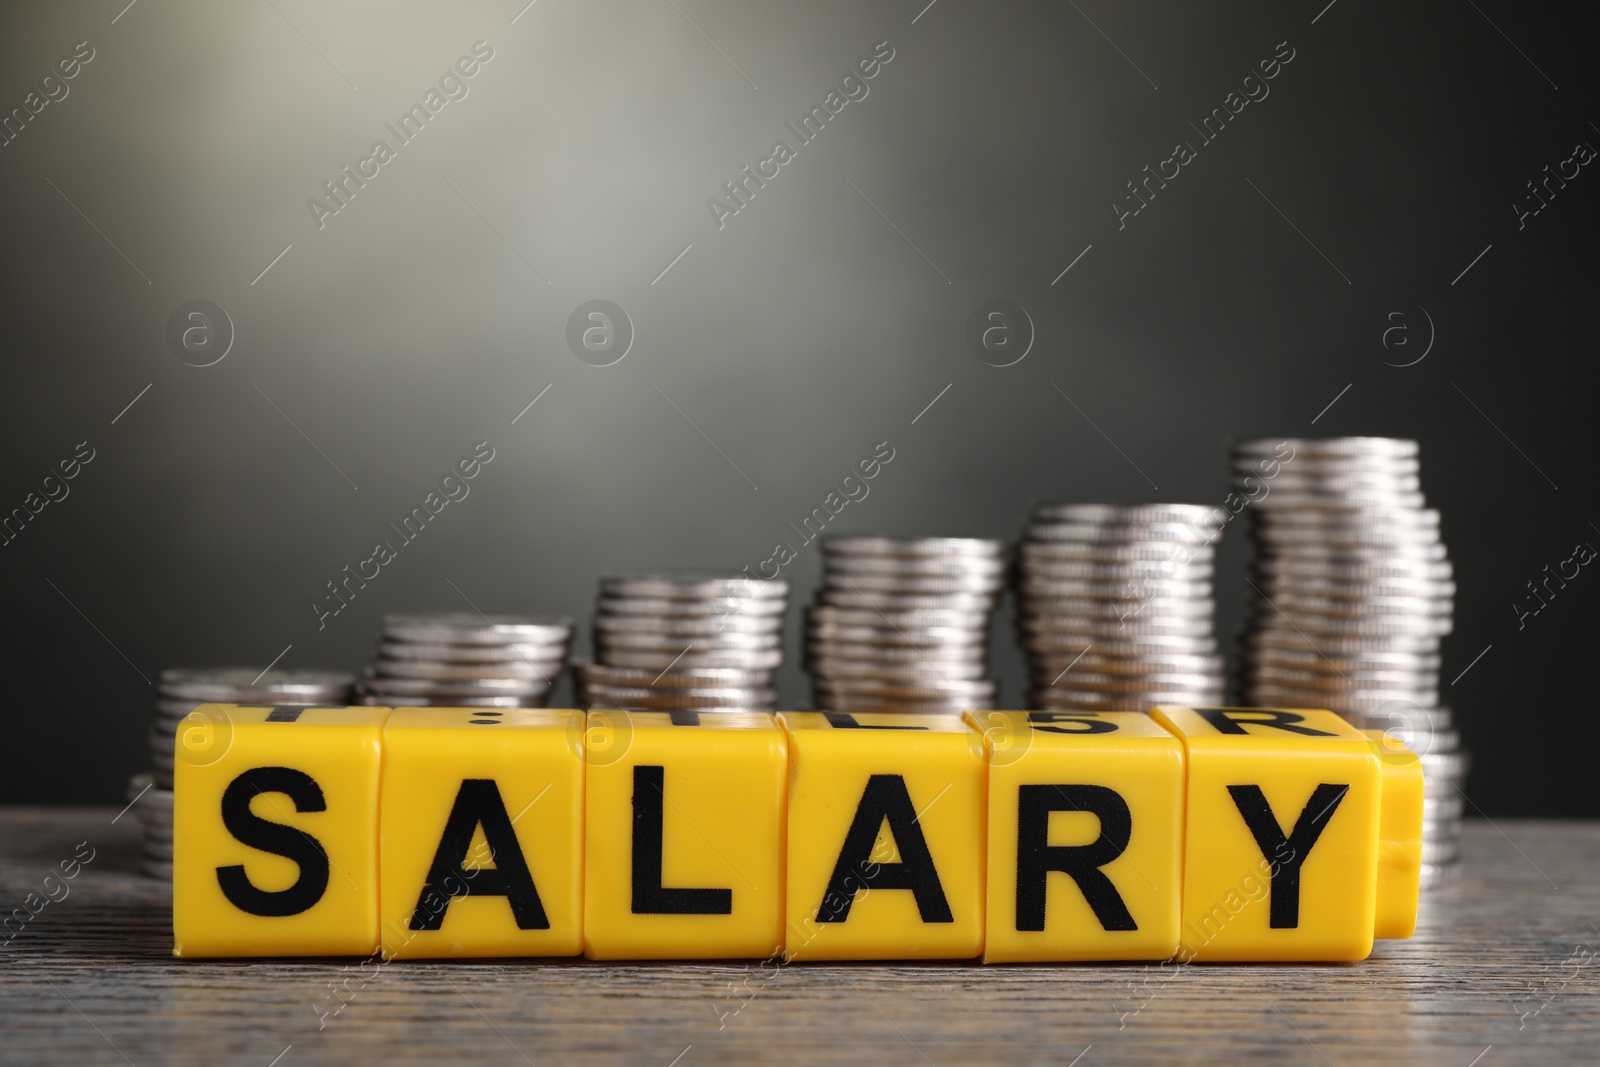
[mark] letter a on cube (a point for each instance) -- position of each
(482, 832)
(1085, 835)
(886, 820)
(275, 831)
(684, 851)
(1285, 800)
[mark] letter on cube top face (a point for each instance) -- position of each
(684, 852)
(1289, 798)
(275, 831)
(885, 848)
(1085, 835)
(482, 832)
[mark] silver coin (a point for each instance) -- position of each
(471, 628)
(1173, 681)
(678, 678)
(1326, 446)
(750, 660)
(1134, 666)
(924, 618)
(1078, 700)
(229, 685)
(721, 607)
(481, 687)
(1335, 482)
(678, 626)
(1133, 609)
(976, 651)
(912, 547)
(903, 671)
(1344, 680)
(903, 602)
(543, 671)
(670, 699)
(918, 637)
(1123, 514)
(1354, 497)
(1124, 552)
(1415, 662)
(976, 585)
(1141, 533)
(959, 567)
(1297, 604)
(1131, 589)
(501, 653)
(691, 585)
(1086, 570)
(1072, 646)
(936, 690)
(1372, 626)
(1342, 516)
(450, 701)
(605, 643)
(1373, 570)
(1046, 624)
(1432, 589)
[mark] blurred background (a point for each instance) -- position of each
(1357, 252)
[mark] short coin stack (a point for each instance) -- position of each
(1354, 591)
(464, 659)
(1115, 606)
(181, 690)
(902, 624)
(680, 641)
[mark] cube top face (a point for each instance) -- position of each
(886, 830)
(274, 831)
(867, 724)
(684, 850)
(1279, 729)
(482, 833)
(1008, 736)
(439, 718)
(671, 720)
(1281, 837)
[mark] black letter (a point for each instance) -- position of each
(1223, 719)
(649, 898)
(1285, 906)
(478, 803)
(1036, 857)
(886, 798)
(280, 840)
(841, 721)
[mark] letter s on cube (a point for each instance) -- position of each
(885, 837)
(1085, 834)
(275, 831)
(482, 832)
(1294, 793)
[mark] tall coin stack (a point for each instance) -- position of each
(1354, 591)
(678, 641)
(902, 625)
(180, 691)
(464, 659)
(1115, 606)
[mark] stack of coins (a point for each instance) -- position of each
(180, 691)
(1115, 607)
(682, 641)
(902, 625)
(464, 659)
(1353, 592)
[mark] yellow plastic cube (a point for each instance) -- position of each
(886, 837)
(684, 855)
(1399, 837)
(1085, 849)
(482, 833)
(275, 831)
(1281, 844)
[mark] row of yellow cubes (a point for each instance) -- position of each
(1195, 833)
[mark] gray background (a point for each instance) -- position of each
(820, 321)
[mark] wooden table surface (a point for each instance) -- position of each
(1501, 971)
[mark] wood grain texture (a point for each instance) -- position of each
(1503, 958)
